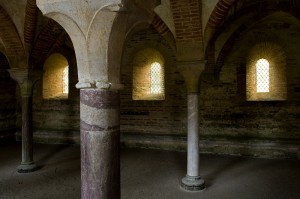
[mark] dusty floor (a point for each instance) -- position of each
(149, 174)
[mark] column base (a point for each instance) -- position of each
(27, 167)
(192, 183)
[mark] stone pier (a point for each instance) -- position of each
(100, 138)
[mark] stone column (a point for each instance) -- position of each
(26, 79)
(100, 138)
(191, 72)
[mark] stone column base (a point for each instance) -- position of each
(192, 183)
(27, 167)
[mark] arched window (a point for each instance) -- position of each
(148, 75)
(56, 77)
(266, 73)
(262, 76)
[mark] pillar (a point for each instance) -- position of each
(191, 72)
(26, 79)
(100, 138)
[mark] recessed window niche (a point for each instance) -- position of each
(56, 77)
(148, 75)
(266, 73)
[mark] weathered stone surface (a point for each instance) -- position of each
(100, 156)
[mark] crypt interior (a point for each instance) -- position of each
(158, 99)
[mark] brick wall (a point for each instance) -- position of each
(187, 18)
(150, 116)
(224, 109)
(57, 120)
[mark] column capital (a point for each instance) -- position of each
(100, 85)
(26, 78)
(191, 71)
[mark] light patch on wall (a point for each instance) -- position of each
(148, 75)
(266, 73)
(56, 77)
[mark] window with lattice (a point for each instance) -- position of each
(266, 73)
(262, 76)
(148, 75)
(156, 80)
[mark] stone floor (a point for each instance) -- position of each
(149, 174)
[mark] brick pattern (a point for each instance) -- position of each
(30, 21)
(148, 117)
(9, 36)
(219, 13)
(159, 25)
(45, 41)
(187, 17)
(58, 115)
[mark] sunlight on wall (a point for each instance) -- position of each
(266, 73)
(148, 75)
(56, 77)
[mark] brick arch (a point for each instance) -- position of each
(187, 17)
(30, 21)
(219, 13)
(228, 46)
(9, 36)
(51, 36)
(216, 18)
(159, 25)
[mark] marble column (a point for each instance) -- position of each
(100, 139)
(191, 72)
(26, 78)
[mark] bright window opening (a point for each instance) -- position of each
(262, 76)
(148, 75)
(266, 73)
(66, 80)
(156, 78)
(56, 77)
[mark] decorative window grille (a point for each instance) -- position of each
(66, 80)
(156, 79)
(262, 76)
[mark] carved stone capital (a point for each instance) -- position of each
(191, 72)
(100, 85)
(26, 78)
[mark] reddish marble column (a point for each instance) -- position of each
(100, 138)
(26, 79)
